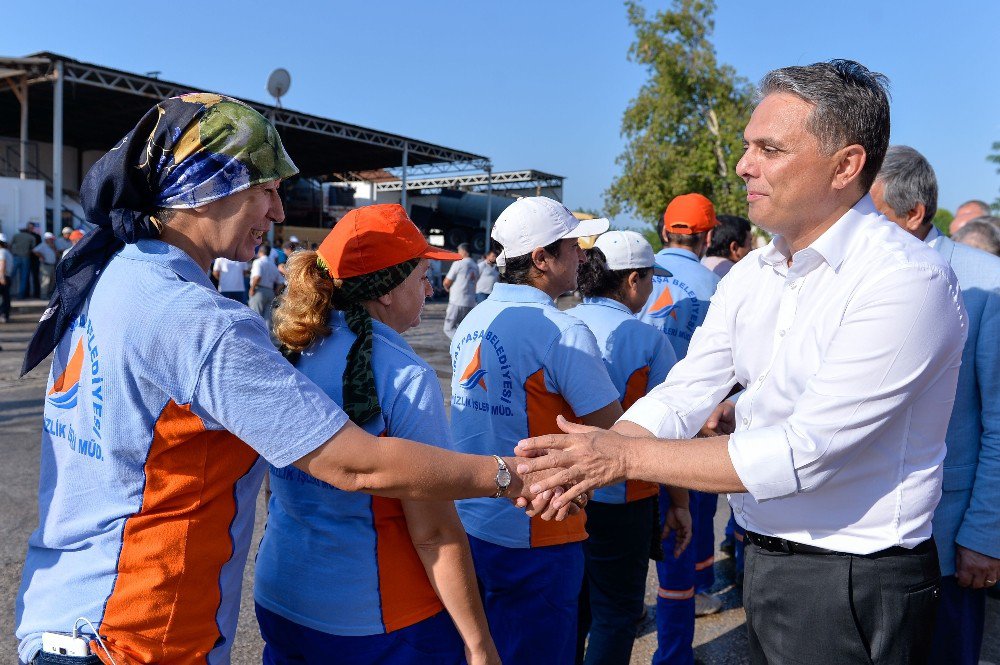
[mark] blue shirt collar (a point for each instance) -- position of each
(608, 302)
(679, 251)
(519, 293)
(170, 257)
(337, 319)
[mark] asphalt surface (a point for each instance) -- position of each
(720, 639)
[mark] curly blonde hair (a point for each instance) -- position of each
(302, 315)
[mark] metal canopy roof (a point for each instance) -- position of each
(102, 104)
(499, 181)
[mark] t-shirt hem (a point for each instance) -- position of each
(411, 618)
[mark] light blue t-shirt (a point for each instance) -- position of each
(517, 363)
(343, 562)
(160, 398)
(679, 303)
(638, 358)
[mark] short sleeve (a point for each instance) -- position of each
(577, 371)
(255, 268)
(246, 387)
(453, 271)
(217, 265)
(417, 411)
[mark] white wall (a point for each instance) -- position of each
(21, 201)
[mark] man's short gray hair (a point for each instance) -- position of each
(465, 247)
(983, 206)
(851, 106)
(909, 180)
(982, 232)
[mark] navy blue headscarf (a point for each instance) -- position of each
(185, 152)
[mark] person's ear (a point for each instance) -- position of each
(632, 281)
(848, 166)
(915, 218)
(539, 257)
(385, 300)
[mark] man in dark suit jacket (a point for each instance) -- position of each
(967, 520)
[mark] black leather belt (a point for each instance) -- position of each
(774, 544)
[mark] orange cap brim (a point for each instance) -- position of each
(441, 254)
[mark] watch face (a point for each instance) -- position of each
(503, 477)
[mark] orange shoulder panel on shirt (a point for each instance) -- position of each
(636, 387)
(166, 596)
(542, 408)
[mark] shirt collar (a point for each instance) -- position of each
(170, 257)
(608, 302)
(832, 246)
(338, 319)
(679, 251)
(933, 237)
(519, 293)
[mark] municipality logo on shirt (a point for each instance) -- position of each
(664, 306)
(474, 373)
(63, 394)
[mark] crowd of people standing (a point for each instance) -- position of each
(838, 383)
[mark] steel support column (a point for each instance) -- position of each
(489, 207)
(23, 166)
(57, 147)
(406, 159)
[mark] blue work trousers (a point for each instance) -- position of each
(675, 597)
(433, 640)
(530, 596)
(703, 541)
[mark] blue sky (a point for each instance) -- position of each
(538, 84)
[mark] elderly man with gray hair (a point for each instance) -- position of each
(967, 212)
(966, 523)
(982, 233)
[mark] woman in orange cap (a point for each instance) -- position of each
(344, 572)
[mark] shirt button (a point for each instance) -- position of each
(781, 333)
(760, 380)
(746, 421)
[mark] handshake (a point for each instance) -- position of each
(560, 471)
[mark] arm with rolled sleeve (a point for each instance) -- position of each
(679, 406)
(980, 529)
(900, 334)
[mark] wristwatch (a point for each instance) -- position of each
(503, 477)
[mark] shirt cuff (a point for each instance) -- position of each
(763, 461)
(653, 416)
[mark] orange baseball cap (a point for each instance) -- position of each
(374, 237)
(688, 214)
(76, 235)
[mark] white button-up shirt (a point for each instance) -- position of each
(850, 359)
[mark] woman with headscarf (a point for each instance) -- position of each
(163, 395)
(372, 576)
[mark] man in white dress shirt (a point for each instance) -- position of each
(847, 333)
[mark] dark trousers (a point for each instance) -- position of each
(5, 298)
(433, 640)
(958, 632)
(616, 560)
(530, 596)
(703, 540)
(841, 609)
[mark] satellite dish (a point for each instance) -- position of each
(278, 83)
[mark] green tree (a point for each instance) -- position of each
(995, 158)
(685, 126)
(942, 220)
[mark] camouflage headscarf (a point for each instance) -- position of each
(359, 392)
(185, 152)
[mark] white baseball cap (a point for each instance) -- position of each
(3, 238)
(48, 235)
(537, 221)
(626, 250)
(293, 239)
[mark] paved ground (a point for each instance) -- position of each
(719, 639)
